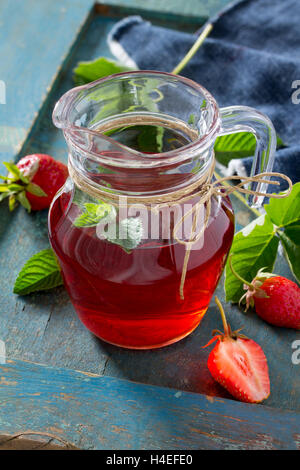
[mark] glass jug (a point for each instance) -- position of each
(137, 141)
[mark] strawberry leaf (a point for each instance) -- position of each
(253, 247)
(14, 170)
(41, 272)
(290, 240)
(239, 145)
(286, 211)
(87, 72)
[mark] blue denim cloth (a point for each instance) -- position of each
(251, 58)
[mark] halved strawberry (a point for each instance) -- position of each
(239, 364)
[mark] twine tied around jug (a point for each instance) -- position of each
(205, 188)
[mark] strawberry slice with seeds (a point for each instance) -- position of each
(239, 364)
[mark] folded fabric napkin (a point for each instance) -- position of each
(252, 58)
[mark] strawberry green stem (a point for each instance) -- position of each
(237, 275)
(225, 325)
(193, 49)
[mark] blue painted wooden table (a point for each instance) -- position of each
(161, 399)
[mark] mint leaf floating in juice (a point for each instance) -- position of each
(144, 278)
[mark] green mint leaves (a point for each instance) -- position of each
(92, 210)
(86, 72)
(94, 213)
(41, 272)
(128, 233)
(256, 245)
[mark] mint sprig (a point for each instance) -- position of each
(256, 246)
(40, 272)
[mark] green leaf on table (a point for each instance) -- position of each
(94, 213)
(290, 239)
(41, 272)
(86, 72)
(239, 145)
(253, 247)
(285, 211)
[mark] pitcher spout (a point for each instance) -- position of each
(160, 126)
(60, 114)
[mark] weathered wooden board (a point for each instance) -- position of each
(15, 442)
(35, 37)
(183, 13)
(33, 51)
(101, 412)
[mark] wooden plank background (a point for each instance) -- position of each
(101, 412)
(35, 37)
(185, 13)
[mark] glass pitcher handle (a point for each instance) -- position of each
(245, 119)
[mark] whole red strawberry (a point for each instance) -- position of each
(239, 364)
(34, 181)
(276, 299)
